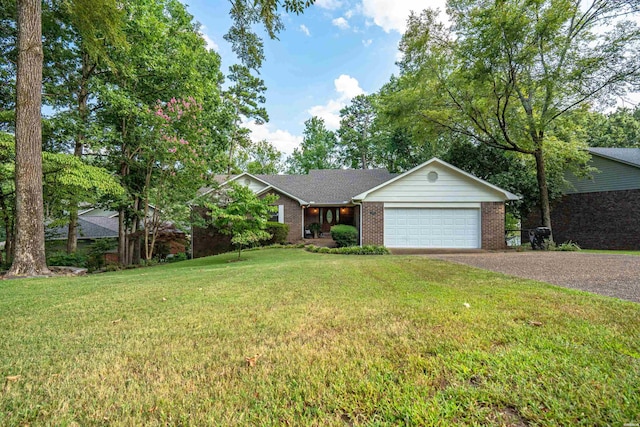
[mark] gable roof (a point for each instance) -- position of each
(328, 186)
(90, 227)
(507, 195)
(629, 156)
(319, 187)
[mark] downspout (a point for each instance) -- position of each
(360, 224)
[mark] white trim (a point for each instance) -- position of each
(281, 214)
(507, 195)
(291, 196)
(433, 205)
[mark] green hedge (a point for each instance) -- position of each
(344, 235)
(278, 231)
(350, 250)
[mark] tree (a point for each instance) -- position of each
(245, 97)
(509, 74)
(356, 123)
(239, 213)
(262, 158)
(91, 17)
(318, 150)
(620, 128)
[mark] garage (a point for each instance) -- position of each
(432, 228)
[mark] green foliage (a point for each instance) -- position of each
(350, 250)
(97, 251)
(261, 158)
(237, 211)
(318, 150)
(564, 247)
(315, 229)
(278, 232)
(344, 235)
(620, 128)
(512, 75)
(356, 124)
(75, 259)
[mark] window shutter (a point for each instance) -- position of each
(281, 214)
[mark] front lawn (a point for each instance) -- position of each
(610, 252)
(343, 340)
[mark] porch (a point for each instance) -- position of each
(327, 217)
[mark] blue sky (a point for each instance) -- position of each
(336, 50)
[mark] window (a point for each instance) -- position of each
(278, 216)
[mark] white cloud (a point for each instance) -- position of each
(305, 30)
(283, 140)
(211, 45)
(328, 4)
(347, 87)
(367, 43)
(391, 15)
(341, 23)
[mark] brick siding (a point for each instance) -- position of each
(492, 228)
(601, 220)
(373, 223)
(292, 216)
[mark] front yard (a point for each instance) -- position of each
(342, 340)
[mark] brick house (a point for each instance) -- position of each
(603, 210)
(434, 205)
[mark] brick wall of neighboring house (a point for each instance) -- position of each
(208, 241)
(492, 214)
(373, 223)
(602, 220)
(292, 216)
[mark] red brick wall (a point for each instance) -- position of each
(373, 223)
(292, 216)
(492, 228)
(602, 220)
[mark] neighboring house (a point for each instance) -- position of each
(434, 205)
(96, 223)
(603, 211)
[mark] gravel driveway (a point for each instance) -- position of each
(611, 275)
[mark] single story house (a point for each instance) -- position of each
(434, 205)
(602, 211)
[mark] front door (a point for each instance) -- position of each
(329, 218)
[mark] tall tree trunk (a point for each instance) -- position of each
(122, 240)
(29, 257)
(83, 114)
(545, 210)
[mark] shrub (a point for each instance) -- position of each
(566, 247)
(344, 235)
(279, 233)
(95, 260)
(315, 229)
(350, 250)
(64, 259)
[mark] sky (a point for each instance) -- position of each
(334, 51)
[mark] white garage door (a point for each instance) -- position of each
(431, 228)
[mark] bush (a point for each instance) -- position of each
(350, 250)
(315, 229)
(565, 247)
(64, 259)
(279, 233)
(344, 235)
(96, 252)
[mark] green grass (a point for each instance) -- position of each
(344, 340)
(603, 251)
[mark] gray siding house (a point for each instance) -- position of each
(602, 211)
